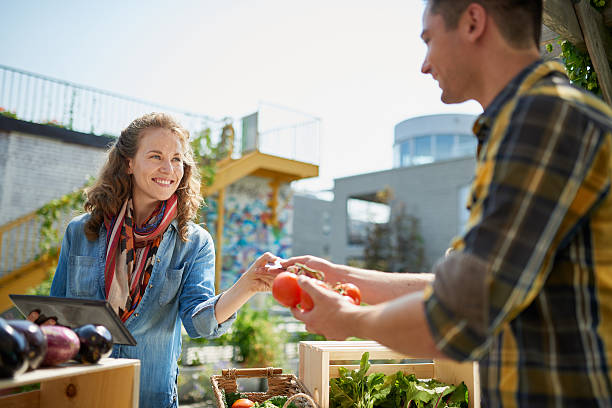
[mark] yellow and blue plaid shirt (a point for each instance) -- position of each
(527, 291)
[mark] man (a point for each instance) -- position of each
(527, 290)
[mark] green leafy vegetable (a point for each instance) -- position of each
(353, 388)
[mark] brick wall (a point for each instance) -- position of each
(35, 169)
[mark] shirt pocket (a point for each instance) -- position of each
(170, 285)
(82, 276)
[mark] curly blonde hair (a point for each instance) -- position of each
(114, 185)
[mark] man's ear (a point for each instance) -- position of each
(473, 21)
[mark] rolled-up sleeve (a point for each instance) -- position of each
(541, 174)
(198, 299)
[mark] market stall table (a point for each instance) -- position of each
(109, 383)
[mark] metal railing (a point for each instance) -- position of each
(41, 99)
(19, 240)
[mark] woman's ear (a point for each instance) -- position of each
(129, 167)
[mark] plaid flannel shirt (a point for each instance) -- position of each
(527, 291)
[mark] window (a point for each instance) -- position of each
(422, 150)
(360, 215)
(466, 145)
(444, 146)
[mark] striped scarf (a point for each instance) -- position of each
(130, 253)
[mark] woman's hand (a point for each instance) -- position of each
(259, 276)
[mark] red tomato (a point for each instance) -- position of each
(306, 303)
(243, 403)
(350, 290)
(286, 290)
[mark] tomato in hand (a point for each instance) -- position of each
(286, 290)
(306, 303)
(350, 290)
(243, 403)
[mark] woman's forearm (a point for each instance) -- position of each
(232, 300)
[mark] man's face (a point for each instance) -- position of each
(445, 58)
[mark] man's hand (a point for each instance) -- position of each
(333, 273)
(330, 313)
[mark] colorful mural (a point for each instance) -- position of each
(248, 231)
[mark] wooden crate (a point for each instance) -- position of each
(315, 368)
(110, 383)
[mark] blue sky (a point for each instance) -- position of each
(354, 64)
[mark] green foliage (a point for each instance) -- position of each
(207, 153)
(578, 63)
(256, 337)
(44, 288)
(359, 390)
(395, 246)
(8, 114)
(258, 340)
(50, 215)
(579, 67)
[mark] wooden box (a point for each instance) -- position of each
(315, 368)
(110, 383)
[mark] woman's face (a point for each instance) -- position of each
(157, 167)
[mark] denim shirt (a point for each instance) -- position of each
(181, 284)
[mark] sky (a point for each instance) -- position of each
(353, 64)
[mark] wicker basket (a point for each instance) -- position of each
(278, 384)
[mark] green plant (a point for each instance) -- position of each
(579, 67)
(578, 64)
(50, 214)
(258, 341)
(396, 245)
(208, 153)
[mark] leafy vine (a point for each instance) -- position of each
(578, 63)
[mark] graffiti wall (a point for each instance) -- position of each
(248, 230)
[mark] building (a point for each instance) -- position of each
(433, 166)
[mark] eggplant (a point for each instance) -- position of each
(13, 351)
(96, 343)
(62, 344)
(37, 343)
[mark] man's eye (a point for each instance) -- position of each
(156, 156)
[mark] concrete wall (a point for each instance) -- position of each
(430, 193)
(312, 219)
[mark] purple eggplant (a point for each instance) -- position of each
(96, 343)
(13, 351)
(62, 344)
(37, 343)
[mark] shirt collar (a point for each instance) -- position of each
(524, 81)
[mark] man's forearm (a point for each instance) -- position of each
(400, 325)
(377, 287)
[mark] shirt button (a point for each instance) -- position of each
(135, 314)
(157, 260)
(151, 285)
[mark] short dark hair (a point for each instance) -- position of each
(519, 21)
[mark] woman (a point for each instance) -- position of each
(138, 248)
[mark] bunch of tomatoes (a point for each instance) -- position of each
(287, 291)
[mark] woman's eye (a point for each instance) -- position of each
(177, 159)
